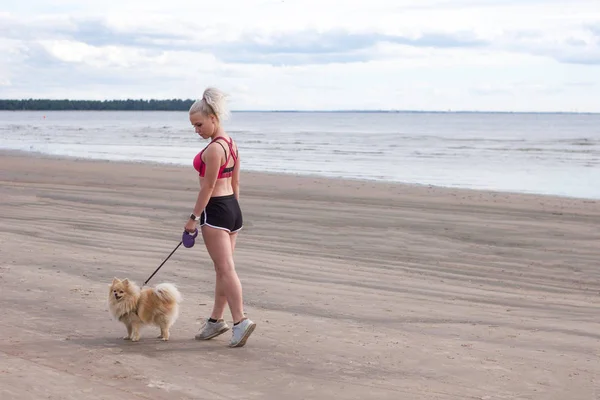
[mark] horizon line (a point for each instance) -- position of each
(342, 111)
(333, 110)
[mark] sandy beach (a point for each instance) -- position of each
(360, 290)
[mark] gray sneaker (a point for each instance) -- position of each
(241, 332)
(212, 329)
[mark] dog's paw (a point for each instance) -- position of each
(135, 339)
(164, 339)
(126, 337)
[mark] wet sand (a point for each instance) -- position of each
(360, 290)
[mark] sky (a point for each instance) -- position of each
(439, 55)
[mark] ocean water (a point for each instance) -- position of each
(556, 154)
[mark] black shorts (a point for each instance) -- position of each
(222, 212)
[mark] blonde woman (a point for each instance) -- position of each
(218, 212)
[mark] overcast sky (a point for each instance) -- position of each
(517, 55)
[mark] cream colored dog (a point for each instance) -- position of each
(135, 308)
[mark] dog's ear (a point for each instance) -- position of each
(115, 280)
(125, 282)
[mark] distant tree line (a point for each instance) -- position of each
(93, 105)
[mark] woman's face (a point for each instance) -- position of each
(205, 125)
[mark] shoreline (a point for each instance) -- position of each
(381, 182)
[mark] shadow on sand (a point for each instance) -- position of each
(151, 345)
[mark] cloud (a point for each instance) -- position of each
(308, 46)
(97, 32)
(334, 46)
(580, 45)
(92, 31)
(276, 45)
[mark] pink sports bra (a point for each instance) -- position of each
(200, 166)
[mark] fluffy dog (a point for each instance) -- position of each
(135, 308)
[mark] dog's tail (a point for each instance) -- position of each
(168, 292)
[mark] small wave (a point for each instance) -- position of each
(432, 155)
(579, 141)
(356, 152)
(464, 148)
(543, 150)
(13, 127)
(525, 149)
(584, 143)
(235, 132)
(482, 140)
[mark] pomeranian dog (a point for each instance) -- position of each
(135, 308)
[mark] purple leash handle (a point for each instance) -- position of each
(189, 239)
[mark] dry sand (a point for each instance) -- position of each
(360, 290)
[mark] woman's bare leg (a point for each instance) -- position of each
(228, 289)
(233, 239)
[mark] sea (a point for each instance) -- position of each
(540, 153)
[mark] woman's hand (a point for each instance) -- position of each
(191, 226)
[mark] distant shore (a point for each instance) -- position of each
(184, 105)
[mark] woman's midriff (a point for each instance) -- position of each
(222, 187)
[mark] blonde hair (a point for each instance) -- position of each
(214, 102)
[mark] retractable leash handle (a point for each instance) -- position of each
(188, 239)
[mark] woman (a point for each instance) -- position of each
(219, 214)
